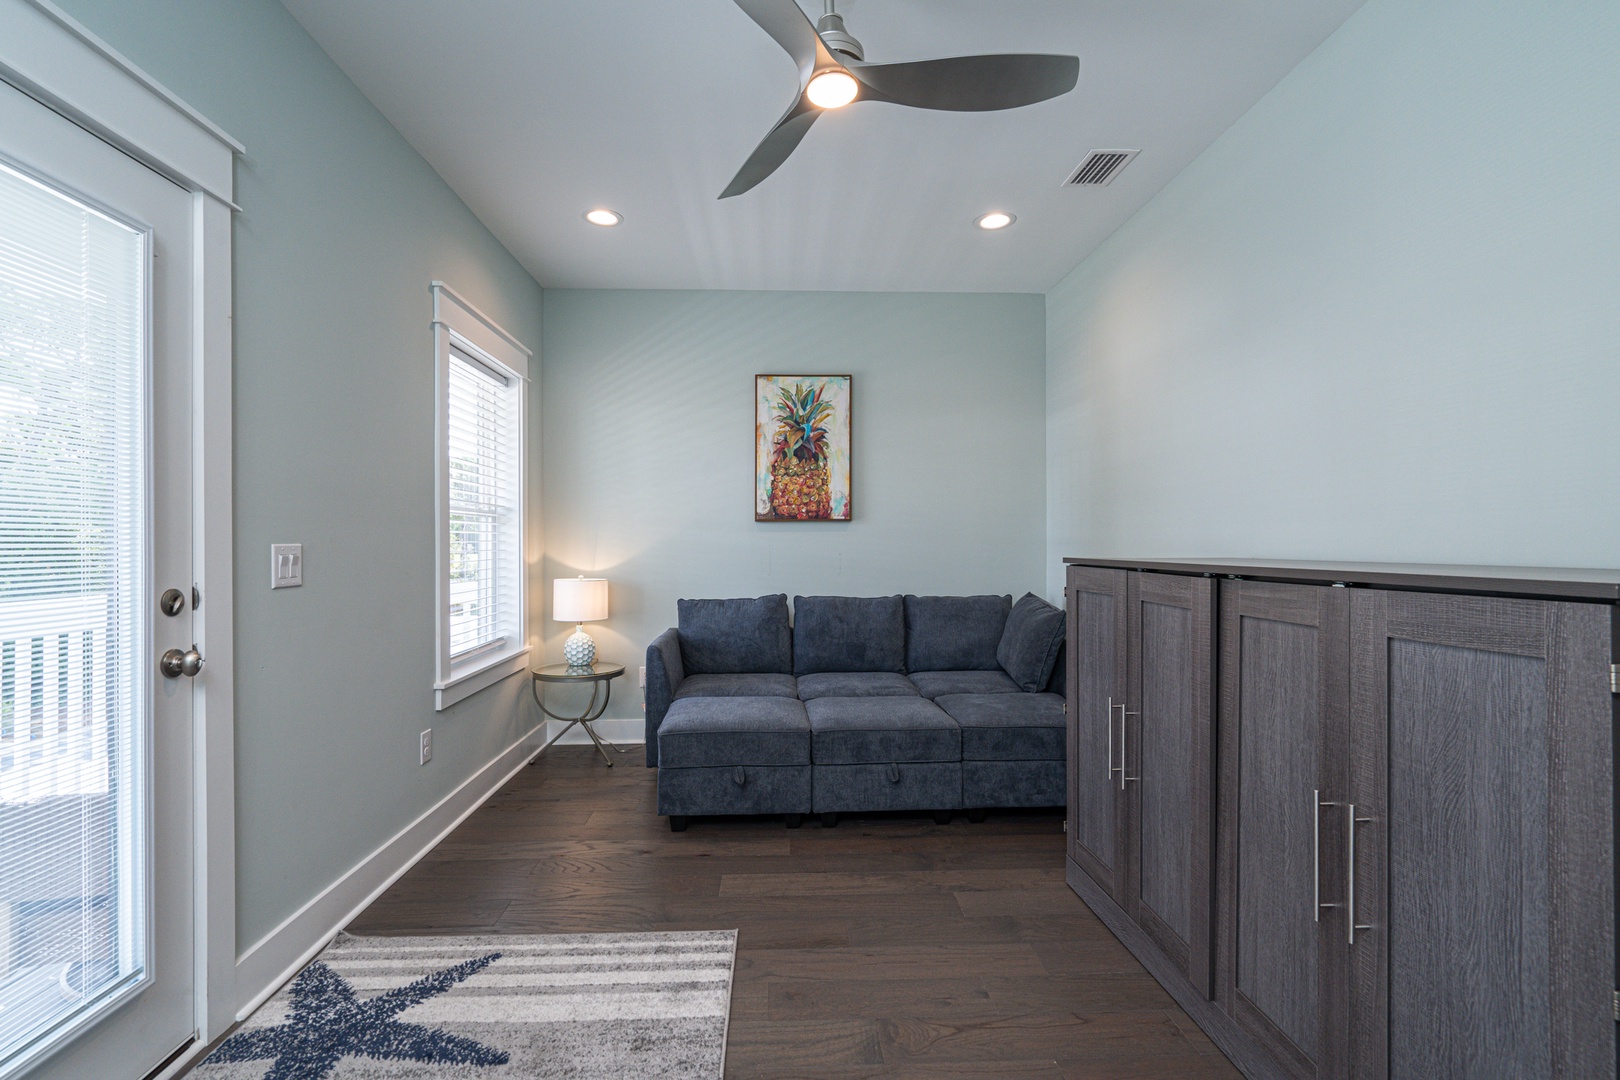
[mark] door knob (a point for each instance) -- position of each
(176, 663)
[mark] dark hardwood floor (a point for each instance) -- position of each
(888, 946)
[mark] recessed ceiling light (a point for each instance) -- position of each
(995, 219)
(604, 218)
(832, 89)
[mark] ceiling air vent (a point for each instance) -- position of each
(1100, 167)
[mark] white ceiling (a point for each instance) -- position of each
(535, 111)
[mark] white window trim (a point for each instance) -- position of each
(50, 56)
(458, 323)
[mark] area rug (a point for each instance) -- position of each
(537, 1006)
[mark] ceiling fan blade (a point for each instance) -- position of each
(774, 148)
(969, 83)
(790, 28)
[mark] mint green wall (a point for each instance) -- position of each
(649, 453)
(1379, 318)
(343, 227)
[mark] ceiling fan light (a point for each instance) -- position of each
(832, 89)
(603, 217)
(995, 219)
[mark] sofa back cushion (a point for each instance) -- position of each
(1029, 646)
(848, 633)
(720, 637)
(954, 633)
(1060, 672)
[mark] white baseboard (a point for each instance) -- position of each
(280, 954)
(623, 732)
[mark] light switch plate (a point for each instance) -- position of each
(286, 565)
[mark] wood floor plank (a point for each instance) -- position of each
(1018, 1069)
(966, 997)
(888, 946)
(914, 1040)
(894, 961)
(1018, 898)
(841, 883)
(763, 1047)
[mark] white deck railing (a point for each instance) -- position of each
(56, 697)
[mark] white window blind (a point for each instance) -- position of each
(73, 694)
(483, 438)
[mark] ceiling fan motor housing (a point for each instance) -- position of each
(831, 28)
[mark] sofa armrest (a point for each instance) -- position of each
(664, 674)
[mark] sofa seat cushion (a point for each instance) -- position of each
(854, 684)
(854, 731)
(954, 633)
(742, 635)
(1008, 727)
(761, 685)
(937, 684)
(1030, 644)
(718, 731)
(849, 633)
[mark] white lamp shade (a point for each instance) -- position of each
(577, 600)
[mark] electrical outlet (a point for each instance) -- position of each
(643, 676)
(426, 747)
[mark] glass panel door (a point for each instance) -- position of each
(72, 778)
(97, 891)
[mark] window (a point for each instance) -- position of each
(481, 376)
(73, 798)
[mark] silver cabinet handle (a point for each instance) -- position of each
(1350, 891)
(1111, 769)
(1123, 723)
(1316, 854)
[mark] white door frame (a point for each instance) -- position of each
(52, 58)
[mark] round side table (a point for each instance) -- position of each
(600, 675)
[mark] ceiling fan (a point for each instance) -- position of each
(833, 72)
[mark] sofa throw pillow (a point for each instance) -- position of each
(954, 633)
(848, 633)
(721, 637)
(1029, 646)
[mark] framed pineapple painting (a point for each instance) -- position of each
(801, 448)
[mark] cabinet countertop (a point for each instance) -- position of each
(1553, 583)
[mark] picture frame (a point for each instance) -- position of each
(803, 460)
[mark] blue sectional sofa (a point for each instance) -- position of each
(857, 704)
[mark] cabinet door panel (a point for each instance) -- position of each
(1164, 753)
(1096, 697)
(1469, 825)
(1482, 762)
(1284, 699)
(1168, 753)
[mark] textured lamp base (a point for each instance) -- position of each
(579, 650)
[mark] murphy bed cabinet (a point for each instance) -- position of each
(1358, 820)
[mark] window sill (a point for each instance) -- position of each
(476, 676)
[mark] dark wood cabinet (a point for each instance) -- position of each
(1166, 734)
(1403, 862)
(1280, 966)
(1096, 683)
(1482, 781)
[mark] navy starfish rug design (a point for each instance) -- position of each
(651, 1006)
(330, 1021)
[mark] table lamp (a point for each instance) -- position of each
(579, 600)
